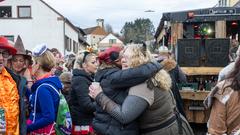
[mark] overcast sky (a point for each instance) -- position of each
(83, 13)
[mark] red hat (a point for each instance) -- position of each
(4, 44)
(106, 55)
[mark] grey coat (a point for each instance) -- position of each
(162, 109)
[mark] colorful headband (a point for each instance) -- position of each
(85, 55)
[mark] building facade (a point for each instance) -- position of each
(109, 41)
(37, 22)
(227, 3)
(95, 34)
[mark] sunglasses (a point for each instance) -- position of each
(5, 54)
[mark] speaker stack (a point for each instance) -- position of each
(203, 52)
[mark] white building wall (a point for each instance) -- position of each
(45, 26)
(105, 43)
(88, 39)
(110, 36)
(94, 39)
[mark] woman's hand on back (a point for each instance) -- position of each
(94, 90)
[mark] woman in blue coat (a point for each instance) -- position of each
(44, 98)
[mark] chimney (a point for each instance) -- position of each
(100, 22)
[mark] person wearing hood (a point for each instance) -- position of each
(44, 99)
(13, 89)
(82, 106)
(18, 62)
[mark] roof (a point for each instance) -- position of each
(97, 30)
(83, 41)
(201, 15)
(64, 18)
(81, 31)
(90, 30)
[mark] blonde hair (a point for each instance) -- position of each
(46, 61)
(79, 59)
(140, 55)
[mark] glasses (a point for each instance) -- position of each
(5, 54)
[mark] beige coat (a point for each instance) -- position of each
(225, 113)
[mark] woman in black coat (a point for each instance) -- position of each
(82, 105)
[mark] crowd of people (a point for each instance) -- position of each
(120, 91)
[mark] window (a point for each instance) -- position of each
(112, 41)
(68, 44)
(24, 11)
(5, 11)
(75, 47)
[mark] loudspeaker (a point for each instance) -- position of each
(217, 51)
(188, 52)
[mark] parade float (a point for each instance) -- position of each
(200, 40)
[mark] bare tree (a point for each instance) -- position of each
(108, 28)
